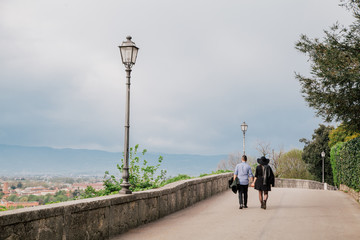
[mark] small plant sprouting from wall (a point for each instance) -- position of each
(142, 175)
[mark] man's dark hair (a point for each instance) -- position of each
(244, 157)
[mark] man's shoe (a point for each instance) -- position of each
(241, 207)
(245, 206)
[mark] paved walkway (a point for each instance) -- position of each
(291, 214)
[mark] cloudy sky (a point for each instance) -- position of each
(203, 68)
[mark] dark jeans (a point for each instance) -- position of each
(243, 194)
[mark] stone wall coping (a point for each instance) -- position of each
(107, 216)
(56, 209)
(297, 180)
(75, 206)
(302, 183)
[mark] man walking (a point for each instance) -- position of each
(243, 173)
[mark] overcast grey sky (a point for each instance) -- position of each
(203, 68)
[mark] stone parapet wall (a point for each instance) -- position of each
(352, 192)
(104, 217)
(300, 183)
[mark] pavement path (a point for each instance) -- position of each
(290, 214)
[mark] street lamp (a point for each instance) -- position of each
(323, 156)
(128, 51)
(244, 127)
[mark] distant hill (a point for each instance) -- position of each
(21, 160)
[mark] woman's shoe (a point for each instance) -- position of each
(264, 204)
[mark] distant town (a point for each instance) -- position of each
(20, 192)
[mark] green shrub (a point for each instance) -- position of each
(345, 162)
(335, 162)
(142, 176)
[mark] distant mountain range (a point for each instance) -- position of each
(21, 161)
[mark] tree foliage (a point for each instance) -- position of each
(333, 89)
(291, 165)
(341, 134)
(230, 163)
(352, 5)
(263, 148)
(12, 198)
(234, 159)
(312, 153)
(59, 196)
(275, 158)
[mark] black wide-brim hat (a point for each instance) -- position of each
(263, 160)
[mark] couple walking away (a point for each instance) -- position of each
(264, 177)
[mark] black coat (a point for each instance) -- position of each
(233, 184)
(264, 178)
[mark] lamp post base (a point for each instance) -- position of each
(125, 191)
(125, 188)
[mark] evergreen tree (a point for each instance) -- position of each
(333, 89)
(312, 154)
(19, 185)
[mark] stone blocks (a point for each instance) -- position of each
(103, 217)
(351, 192)
(301, 183)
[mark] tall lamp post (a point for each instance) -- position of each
(244, 127)
(128, 51)
(323, 156)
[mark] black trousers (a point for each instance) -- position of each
(243, 194)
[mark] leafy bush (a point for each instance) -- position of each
(142, 176)
(111, 184)
(346, 163)
(90, 192)
(145, 176)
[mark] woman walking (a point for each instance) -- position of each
(264, 177)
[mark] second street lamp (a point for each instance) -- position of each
(322, 156)
(244, 127)
(128, 51)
